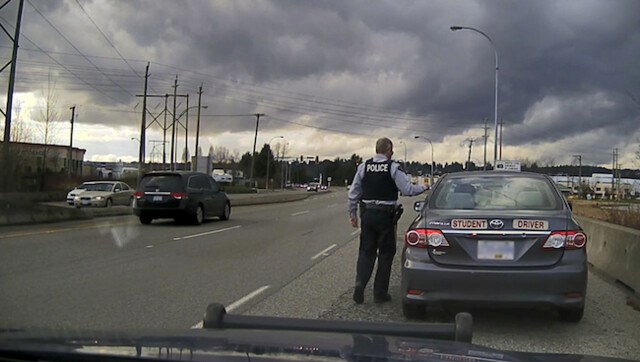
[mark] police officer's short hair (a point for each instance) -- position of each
(383, 145)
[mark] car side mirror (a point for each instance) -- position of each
(418, 205)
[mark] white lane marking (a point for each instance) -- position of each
(325, 252)
(149, 246)
(332, 205)
(206, 233)
(239, 302)
(300, 213)
(355, 232)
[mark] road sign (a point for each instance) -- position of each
(503, 165)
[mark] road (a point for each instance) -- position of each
(293, 259)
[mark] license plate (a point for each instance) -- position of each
(157, 198)
(85, 202)
(495, 250)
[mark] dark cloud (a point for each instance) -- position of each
(565, 66)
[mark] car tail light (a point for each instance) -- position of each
(423, 238)
(138, 195)
(567, 240)
(179, 195)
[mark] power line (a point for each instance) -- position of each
(76, 48)
(64, 67)
(107, 39)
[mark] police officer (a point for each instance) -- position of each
(375, 187)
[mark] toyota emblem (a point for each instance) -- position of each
(496, 224)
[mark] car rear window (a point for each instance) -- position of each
(161, 183)
(497, 193)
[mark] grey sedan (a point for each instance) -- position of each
(495, 239)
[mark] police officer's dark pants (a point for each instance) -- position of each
(377, 238)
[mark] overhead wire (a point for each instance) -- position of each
(76, 48)
(63, 66)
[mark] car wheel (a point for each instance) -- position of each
(414, 310)
(226, 213)
(108, 203)
(198, 217)
(573, 315)
(146, 220)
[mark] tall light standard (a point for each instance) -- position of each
(269, 158)
(405, 155)
(432, 163)
(195, 165)
(495, 110)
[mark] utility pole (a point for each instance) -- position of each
(164, 134)
(471, 141)
(255, 139)
(173, 125)
(195, 162)
(579, 157)
(70, 158)
(501, 122)
(484, 163)
(143, 126)
(619, 168)
(12, 75)
(613, 170)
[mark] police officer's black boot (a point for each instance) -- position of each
(358, 294)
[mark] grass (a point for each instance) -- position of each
(629, 217)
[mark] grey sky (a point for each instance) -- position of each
(359, 67)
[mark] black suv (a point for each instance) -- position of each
(183, 196)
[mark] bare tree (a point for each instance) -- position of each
(20, 130)
(220, 154)
(235, 156)
(48, 122)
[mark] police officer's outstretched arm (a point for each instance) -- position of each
(405, 186)
(355, 194)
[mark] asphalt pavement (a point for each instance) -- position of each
(294, 259)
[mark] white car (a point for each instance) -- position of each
(75, 192)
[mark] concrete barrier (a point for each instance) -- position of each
(614, 249)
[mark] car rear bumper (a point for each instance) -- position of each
(561, 286)
(164, 213)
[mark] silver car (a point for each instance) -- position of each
(104, 194)
(495, 239)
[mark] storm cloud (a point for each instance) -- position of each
(350, 69)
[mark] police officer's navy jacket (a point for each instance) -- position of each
(383, 181)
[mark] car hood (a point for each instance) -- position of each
(76, 192)
(243, 345)
(96, 193)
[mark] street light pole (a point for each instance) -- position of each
(269, 159)
(495, 109)
(432, 162)
(70, 158)
(405, 155)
